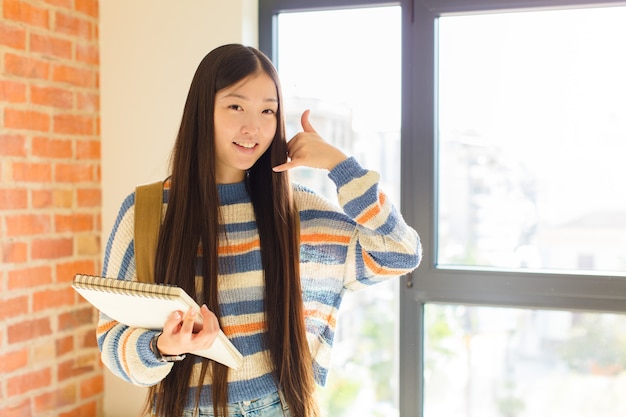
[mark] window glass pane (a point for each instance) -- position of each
(532, 138)
(333, 63)
(495, 362)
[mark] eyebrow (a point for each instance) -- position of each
(242, 97)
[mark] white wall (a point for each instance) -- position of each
(149, 50)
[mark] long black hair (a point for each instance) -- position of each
(192, 221)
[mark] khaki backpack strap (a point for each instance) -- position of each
(148, 209)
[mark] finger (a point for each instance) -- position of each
(209, 320)
(306, 124)
(286, 166)
(172, 322)
(188, 320)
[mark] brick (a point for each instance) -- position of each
(16, 198)
(12, 91)
(75, 367)
(12, 36)
(31, 381)
(27, 67)
(52, 248)
(75, 76)
(14, 252)
(27, 224)
(24, 12)
(41, 199)
(52, 148)
(88, 53)
(12, 361)
(73, 124)
(63, 198)
(88, 197)
(60, 98)
(88, 7)
(31, 172)
(64, 345)
(88, 340)
(88, 149)
(88, 244)
(13, 145)
(32, 277)
(65, 271)
(92, 387)
(89, 102)
(49, 299)
(29, 330)
(50, 46)
(43, 351)
(13, 307)
(74, 173)
(76, 318)
(71, 25)
(21, 409)
(26, 119)
(76, 222)
(59, 398)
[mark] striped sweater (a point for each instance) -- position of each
(342, 249)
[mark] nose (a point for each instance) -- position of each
(250, 125)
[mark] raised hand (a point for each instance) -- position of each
(307, 148)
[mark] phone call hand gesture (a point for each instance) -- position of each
(307, 148)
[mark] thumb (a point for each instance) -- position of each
(306, 125)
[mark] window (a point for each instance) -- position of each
(512, 133)
(531, 131)
(325, 71)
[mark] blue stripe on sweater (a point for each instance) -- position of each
(241, 307)
(237, 391)
(346, 171)
(249, 345)
(128, 202)
(354, 208)
(323, 253)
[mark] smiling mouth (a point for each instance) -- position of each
(245, 145)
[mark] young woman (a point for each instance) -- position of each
(268, 260)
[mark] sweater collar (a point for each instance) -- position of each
(233, 193)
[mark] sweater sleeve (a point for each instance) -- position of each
(126, 350)
(381, 245)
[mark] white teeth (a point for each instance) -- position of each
(246, 145)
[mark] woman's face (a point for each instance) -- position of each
(245, 123)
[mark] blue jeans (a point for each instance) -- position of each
(272, 405)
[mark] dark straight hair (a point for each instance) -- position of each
(192, 222)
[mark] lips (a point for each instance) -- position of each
(246, 145)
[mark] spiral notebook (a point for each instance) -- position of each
(148, 305)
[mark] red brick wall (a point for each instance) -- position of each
(50, 198)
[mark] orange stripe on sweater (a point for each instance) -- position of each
(363, 218)
(106, 327)
(248, 328)
(324, 238)
(240, 247)
(316, 314)
(373, 266)
(123, 358)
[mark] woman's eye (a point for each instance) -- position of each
(235, 107)
(269, 111)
